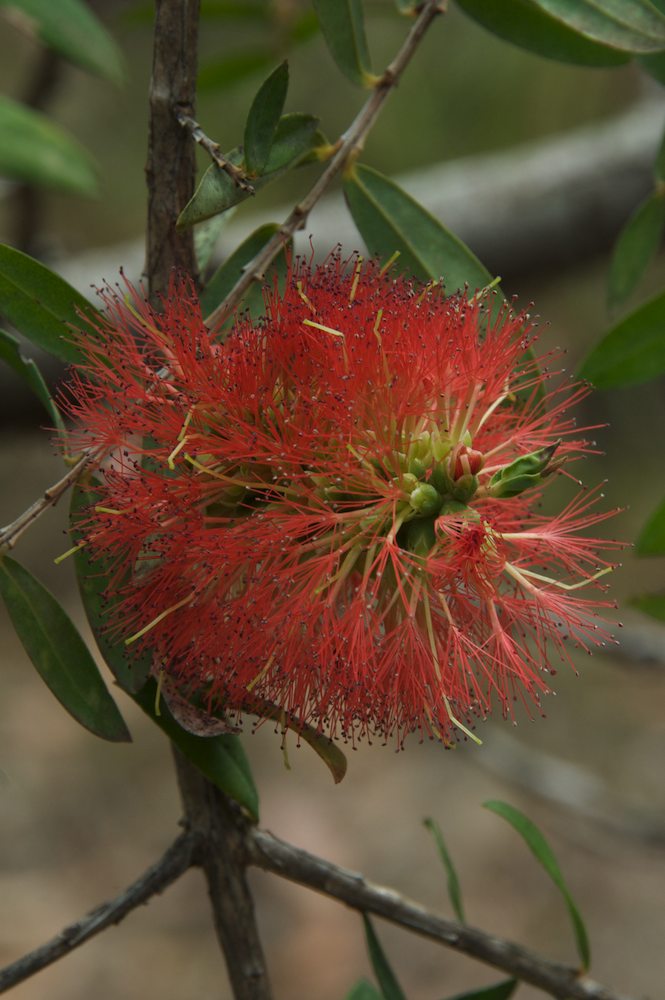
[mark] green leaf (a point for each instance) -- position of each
(40, 304)
(35, 150)
(633, 351)
(343, 28)
(390, 988)
(70, 28)
(637, 26)
(263, 119)
(636, 246)
(530, 27)
(59, 653)
(389, 219)
(130, 671)
(651, 541)
(26, 369)
(500, 991)
(206, 235)
(221, 74)
(454, 891)
(543, 853)
(364, 991)
(651, 604)
(221, 758)
(659, 163)
(230, 271)
(217, 192)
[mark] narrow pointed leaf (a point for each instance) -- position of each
(651, 604)
(364, 991)
(543, 853)
(343, 28)
(130, 671)
(70, 28)
(263, 119)
(454, 891)
(221, 758)
(390, 988)
(35, 150)
(327, 750)
(500, 991)
(217, 192)
(40, 304)
(651, 541)
(27, 370)
(636, 27)
(636, 246)
(59, 653)
(232, 269)
(524, 23)
(633, 351)
(389, 219)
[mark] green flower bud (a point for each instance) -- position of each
(420, 536)
(425, 500)
(522, 474)
(464, 488)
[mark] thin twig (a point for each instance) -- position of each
(180, 856)
(347, 149)
(297, 865)
(10, 534)
(213, 150)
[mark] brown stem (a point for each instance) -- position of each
(352, 888)
(171, 166)
(224, 832)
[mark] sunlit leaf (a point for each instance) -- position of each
(390, 988)
(530, 27)
(35, 150)
(500, 991)
(454, 891)
(27, 370)
(651, 604)
(636, 246)
(637, 26)
(40, 304)
(389, 219)
(633, 351)
(59, 653)
(544, 855)
(651, 541)
(343, 28)
(130, 671)
(70, 28)
(263, 119)
(217, 191)
(220, 758)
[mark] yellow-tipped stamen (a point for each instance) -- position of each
(234, 481)
(335, 333)
(186, 422)
(428, 288)
(158, 692)
(389, 263)
(521, 574)
(488, 288)
(302, 295)
(356, 279)
(158, 619)
(261, 674)
(69, 552)
(181, 444)
(110, 510)
(460, 725)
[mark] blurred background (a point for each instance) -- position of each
(80, 819)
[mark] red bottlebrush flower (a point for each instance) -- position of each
(336, 511)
